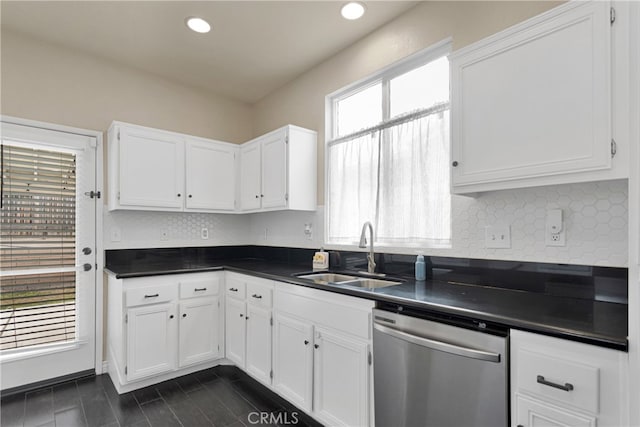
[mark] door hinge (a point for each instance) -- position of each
(118, 195)
(286, 139)
(126, 318)
(612, 15)
(93, 194)
(614, 148)
(125, 370)
(271, 321)
(271, 374)
(286, 196)
(369, 358)
(118, 135)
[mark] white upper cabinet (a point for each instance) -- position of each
(210, 175)
(279, 171)
(250, 179)
(151, 169)
(532, 105)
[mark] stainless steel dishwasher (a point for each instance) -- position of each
(429, 373)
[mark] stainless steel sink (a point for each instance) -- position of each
(372, 283)
(326, 278)
(344, 279)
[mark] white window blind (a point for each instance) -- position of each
(37, 252)
(395, 172)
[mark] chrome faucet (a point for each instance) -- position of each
(371, 269)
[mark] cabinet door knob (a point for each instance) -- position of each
(256, 296)
(233, 289)
(86, 266)
(306, 342)
(199, 289)
(190, 196)
(247, 317)
(86, 251)
(184, 314)
(316, 346)
(171, 317)
(262, 195)
(241, 315)
(257, 197)
(179, 195)
(455, 163)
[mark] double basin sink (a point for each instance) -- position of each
(327, 278)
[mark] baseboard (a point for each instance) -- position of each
(105, 367)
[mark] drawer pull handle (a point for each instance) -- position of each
(256, 296)
(233, 289)
(199, 289)
(565, 387)
(152, 296)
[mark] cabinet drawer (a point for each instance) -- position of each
(199, 288)
(559, 379)
(235, 287)
(151, 295)
(259, 294)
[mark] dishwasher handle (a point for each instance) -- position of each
(439, 345)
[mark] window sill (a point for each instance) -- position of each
(22, 354)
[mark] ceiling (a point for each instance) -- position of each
(254, 47)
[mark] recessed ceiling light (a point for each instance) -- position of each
(352, 10)
(198, 25)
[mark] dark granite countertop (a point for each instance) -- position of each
(593, 321)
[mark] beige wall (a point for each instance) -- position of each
(301, 102)
(41, 81)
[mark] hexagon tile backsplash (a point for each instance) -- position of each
(595, 220)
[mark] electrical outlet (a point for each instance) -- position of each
(308, 231)
(204, 233)
(555, 234)
(164, 234)
(497, 236)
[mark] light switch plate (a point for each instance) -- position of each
(497, 236)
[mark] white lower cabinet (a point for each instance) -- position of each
(340, 378)
(248, 324)
(161, 327)
(151, 340)
(293, 361)
(322, 359)
(556, 382)
(199, 336)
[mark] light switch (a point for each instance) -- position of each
(497, 236)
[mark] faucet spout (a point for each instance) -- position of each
(371, 267)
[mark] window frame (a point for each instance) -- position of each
(384, 76)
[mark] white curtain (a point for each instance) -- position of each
(397, 177)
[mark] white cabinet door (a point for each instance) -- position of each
(198, 334)
(259, 343)
(293, 360)
(534, 102)
(274, 170)
(210, 175)
(235, 335)
(341, 379)
(151, 340)
(250, 186)
(535, 413)
(151, 169)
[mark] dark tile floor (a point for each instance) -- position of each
(220, 396)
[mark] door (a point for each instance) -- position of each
(151, 340)
(274, 170)
(534, 413)
(210, 175)
(198, 334)
(259, 343)
(151, 169)
(293, 360)
(341, 379)
(250, 190)
(48, 254)
(235, 335)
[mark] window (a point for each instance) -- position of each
(388, 155)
